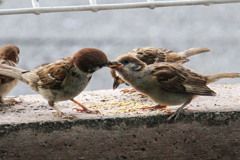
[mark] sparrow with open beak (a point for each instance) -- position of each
(150, 55)
(166, 83)
(63, 79)
(8, 56)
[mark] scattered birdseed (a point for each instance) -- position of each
(127, 103)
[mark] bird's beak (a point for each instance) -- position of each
(114, 65)
(117, 82)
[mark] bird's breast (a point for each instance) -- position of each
(168, 98)
(72, 86)
(7, 87)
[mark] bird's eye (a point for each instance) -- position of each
(140, 53)
(125, 61)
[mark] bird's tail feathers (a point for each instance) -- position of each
(193, 51)
(216, 77)
(12, 72)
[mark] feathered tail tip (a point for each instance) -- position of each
(4, 66)
(216, 77)
(193, 51)
(12, 72)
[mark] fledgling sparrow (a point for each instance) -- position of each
(8, 56)
(167, 83)
(150, 55)
(63, 79)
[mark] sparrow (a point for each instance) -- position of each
(150, 55)
(8, 56)
(62, 79)
(166, 83)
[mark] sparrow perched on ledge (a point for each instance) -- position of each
(166, 83)
(8, 56)
(150, 55)
(63, 79)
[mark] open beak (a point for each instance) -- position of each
(117, 79)
(117, 82)
(114, 65)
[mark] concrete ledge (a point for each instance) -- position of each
(208, 129)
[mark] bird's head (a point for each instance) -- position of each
(89, 60)
(127, 64)
(10, 52)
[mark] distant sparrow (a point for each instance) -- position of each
(150, 55)
(8, 56)
(166, 83)
(63, 79)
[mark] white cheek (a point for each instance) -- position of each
(135, 67)
(127, 70)
(132, 65)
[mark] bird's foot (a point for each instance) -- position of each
(128, 90)
(154, 107)
(142, 95)
(10, 102)
(84, 109)
(87, 110)
(58, 113)
(63, 116)
(174, 116)
(69, 117)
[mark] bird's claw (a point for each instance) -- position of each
(154, 107)
(87, 111)
(12, 101)
(69, 117)
(61, 115)
(93, 111)
(58, 114)
(142, 95)
(174, 116)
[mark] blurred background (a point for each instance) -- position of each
(46, 37)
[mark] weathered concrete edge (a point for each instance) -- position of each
(207, 119)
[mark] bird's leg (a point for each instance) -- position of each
(176, 114)
(85, 109)
(154, 107)
(59, 113)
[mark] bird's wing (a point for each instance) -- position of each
(149, 55)
(51, 76)
(172, 56)
(8, 62)
(176, 78)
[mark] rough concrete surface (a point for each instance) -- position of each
(208, 129)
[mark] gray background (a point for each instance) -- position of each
(47, 37)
